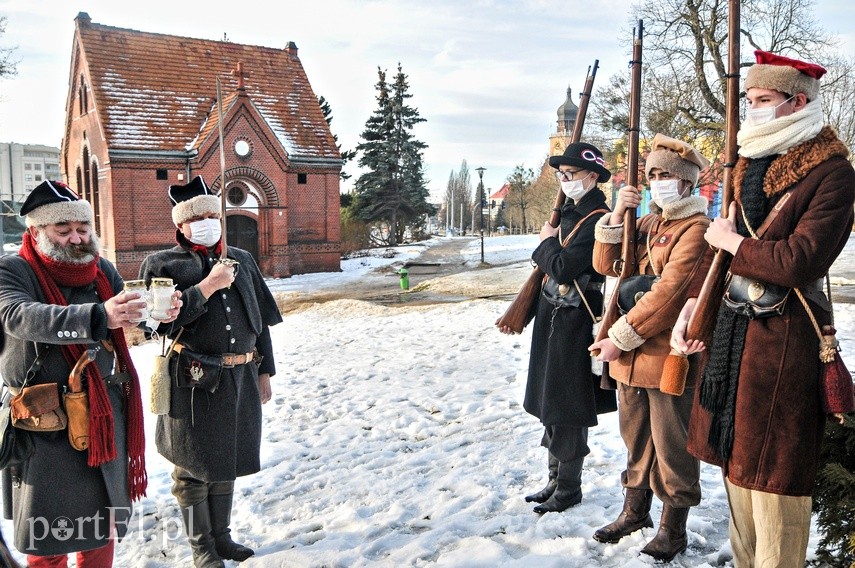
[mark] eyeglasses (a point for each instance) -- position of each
(566, 175)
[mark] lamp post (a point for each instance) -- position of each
(481, 208)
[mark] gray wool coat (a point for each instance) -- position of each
(216, 436)
(55, 487)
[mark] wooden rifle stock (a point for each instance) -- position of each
(703, 318)
(521, 310)
(628, 260)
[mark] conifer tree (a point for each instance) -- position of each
(392, 194)
(346, 155)
(834, 494)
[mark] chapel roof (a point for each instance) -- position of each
(158, 92)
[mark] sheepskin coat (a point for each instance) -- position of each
(779, 421)
(679, 255)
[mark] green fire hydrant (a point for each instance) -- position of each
(405, 278)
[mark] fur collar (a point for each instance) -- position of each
(792, 167)
(686, 207)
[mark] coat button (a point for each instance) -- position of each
(74, 334)
(228, 309)
(232, 340)
(228, 327)
(59, 334)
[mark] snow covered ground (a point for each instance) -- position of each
(396, 437)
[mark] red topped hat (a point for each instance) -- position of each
(784, 74)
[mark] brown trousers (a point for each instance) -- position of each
(654, 427)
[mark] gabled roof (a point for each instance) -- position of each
(502, 193)
(158, 92)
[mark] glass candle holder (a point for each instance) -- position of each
(161, 297)
(139, 287)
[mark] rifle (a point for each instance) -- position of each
(521, 310)
(627, 261)
(703, 317)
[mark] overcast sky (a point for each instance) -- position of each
(488, 75)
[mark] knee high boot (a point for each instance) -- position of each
(197, 524)
(192, 497)
(568, 491)
(635, 516)
(221, 515)
(547, 491)
(670, 539)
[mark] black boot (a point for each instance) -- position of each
(635, 516)
(197, 524)
(670, 539)
(221, 515)
(568, 491)
(551, 485)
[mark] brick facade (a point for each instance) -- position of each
(283, 188)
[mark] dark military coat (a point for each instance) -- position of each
(217, 436)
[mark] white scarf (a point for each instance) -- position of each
(779, 135)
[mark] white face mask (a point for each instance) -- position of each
(665, 191)
(205, 232)
(575, 188)
(758, 116)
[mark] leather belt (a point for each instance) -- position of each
(231, 359)
(236, 359)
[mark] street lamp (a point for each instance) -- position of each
(481, 191)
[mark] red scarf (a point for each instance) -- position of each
(102, 445)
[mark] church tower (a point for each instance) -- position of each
(559, 140)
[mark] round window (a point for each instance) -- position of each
(242, 148)
(236, 196)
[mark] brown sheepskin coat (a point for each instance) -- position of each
(681, 257)
(779, 421)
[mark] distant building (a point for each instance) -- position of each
(22, 167)
(497, 200)
(142, 114)
(566, 123)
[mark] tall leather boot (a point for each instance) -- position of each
(670, 539)
(192, 497)
(197, 524)
(635, 516)
(568, 491)
(547, 491)
(221, 515)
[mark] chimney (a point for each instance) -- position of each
(83, 18)
(292, 50)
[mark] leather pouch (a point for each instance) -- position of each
(191, 369)
(77, 408)
(755, 299)
(37, 408)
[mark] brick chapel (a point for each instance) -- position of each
(142, 114)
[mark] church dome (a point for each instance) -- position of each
(567, 113)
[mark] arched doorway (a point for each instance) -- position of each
(242, 232)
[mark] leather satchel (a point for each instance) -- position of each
(753, 298)
(564, 295)
(17, 445)
(632, 289)
(37, 408)
(191, 369)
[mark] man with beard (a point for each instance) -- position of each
(758, 414)
(212, 432)
(58, 299)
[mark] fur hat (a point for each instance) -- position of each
(784, 75)
(192, 200)
(53, 202)
(677, 157)
(585, 156)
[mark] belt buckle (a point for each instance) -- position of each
(229, 360)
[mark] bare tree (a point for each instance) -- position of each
(8, 66)
(520, 195)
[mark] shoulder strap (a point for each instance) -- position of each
(578, 226)
(769, 218)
